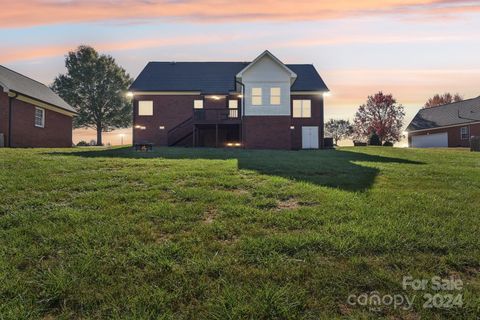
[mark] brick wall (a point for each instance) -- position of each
(57, 132)
(4, 115)
(315, 120)
(454, 136)
(168, 111)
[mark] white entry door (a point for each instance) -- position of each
(436, 140)
(310, 137)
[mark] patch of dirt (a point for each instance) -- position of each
(240, 192)
(289, 204)
(344, 309)
(210, 216)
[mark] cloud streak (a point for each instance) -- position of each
(22, 53)
(24, 13)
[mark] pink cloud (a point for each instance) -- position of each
(20, 53)
(23, 13)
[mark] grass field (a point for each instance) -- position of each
(234, 234)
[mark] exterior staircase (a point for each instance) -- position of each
(181, 135)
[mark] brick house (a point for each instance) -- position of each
(263, 104)
(32, 115)
(450, 125)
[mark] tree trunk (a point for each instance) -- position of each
(99, 136)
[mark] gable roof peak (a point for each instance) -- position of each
(293, 75)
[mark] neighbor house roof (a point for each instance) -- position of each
(447, 115)
(16, 82)
(213, 77)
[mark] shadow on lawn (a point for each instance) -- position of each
(331, 168)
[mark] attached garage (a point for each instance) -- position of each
(435, 140)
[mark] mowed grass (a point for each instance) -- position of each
(234, 234)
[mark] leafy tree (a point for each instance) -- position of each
(95, 86)
(441, 99)
(381, 115)
(338, 129)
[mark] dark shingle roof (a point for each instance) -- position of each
(212, 77)
(447, 115)
(19, 83)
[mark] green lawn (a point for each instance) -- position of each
(234, 234)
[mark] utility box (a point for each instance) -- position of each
(2, 140)
(475, 143)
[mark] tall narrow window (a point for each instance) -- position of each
(464, 133)
(40, 117)
(302, 109)
(257, 96)
(145, 108)
(198, 104)
(275, 96)
(233, 108)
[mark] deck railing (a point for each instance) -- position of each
(215, 115)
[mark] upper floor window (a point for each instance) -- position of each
(302, 108)
(198, 104)
(257, 96)
(40, 117)
(145, 108)
(232, 104)
(275, 94)
(464, 133)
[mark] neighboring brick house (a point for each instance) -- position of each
(264, 104)
(32, 115)
(450, 125)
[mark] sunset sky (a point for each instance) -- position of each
(410, 48)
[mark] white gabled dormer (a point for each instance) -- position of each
(267, 83)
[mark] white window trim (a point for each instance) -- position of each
(257, 96)
(279, 96)
(150, 105)
(302, 110)
(467, 133)
(43, 117)
(197, 107)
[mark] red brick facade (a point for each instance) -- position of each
(454, 135)
(57, 132)
(258, 132)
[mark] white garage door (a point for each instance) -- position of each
(436, 140)
(310, 137)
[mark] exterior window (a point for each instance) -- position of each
(40, 117)
(198, 104)
(275, 94)
(232, 104)
(145, 108)
(257, 96)
(464, 133)
(233, 108)
(302, 108)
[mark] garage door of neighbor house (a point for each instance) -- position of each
(436, 140)
(310, 137)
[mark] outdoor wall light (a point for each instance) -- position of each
(143, 128)
(138, 126)
(162, 128)
(292, 127)
(129, 94)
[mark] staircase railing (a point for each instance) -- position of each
(180, 131)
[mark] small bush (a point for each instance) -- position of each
(388, 144)
(374, 140)
(82, 144)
